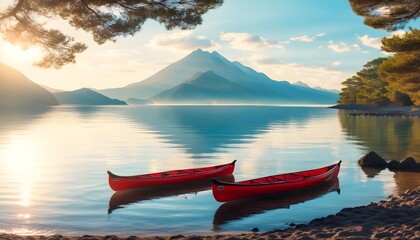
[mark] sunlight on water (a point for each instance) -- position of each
(20, 160)
(53, 166)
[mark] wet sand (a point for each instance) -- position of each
(397, 217)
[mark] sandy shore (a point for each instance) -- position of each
(398, 217)
(363, 110)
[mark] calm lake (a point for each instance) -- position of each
(53, 166)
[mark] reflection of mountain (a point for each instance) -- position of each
(208, 129)
(121, 198)
(243, 208)
(391, 137)
(229, 78)
(18, 92)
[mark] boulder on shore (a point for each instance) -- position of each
(372, 159)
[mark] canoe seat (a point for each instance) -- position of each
(274, 179)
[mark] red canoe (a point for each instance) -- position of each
(224, 191)
(118, 183)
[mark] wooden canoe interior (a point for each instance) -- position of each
(289, 176)
(172, 173)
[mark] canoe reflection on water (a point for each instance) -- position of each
(121, 198)
(239, 209)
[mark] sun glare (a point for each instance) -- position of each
(10, 54)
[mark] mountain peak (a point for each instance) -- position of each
(216, 54)
(301, 84)
(198, 53)
(212, 71)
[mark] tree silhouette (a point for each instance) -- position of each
(23, 22)
(386, 14)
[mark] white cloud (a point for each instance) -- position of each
(247, 41)
(336, 63)
(328, 78)
(183, 40)
(376, 42)
(304, 38)
(370, 42)
(342, 47)
(338, 47)
(398, 33)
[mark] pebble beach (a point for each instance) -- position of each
(397, 217)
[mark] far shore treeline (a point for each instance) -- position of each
(393, 80)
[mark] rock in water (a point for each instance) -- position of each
(394, 164)
(372, 159)
(409, 164)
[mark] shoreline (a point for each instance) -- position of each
(387, 111)
(397, 217)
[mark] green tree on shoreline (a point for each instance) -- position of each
(366, 87)
(393, 80)
(402, 70)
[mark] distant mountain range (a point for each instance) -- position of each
(204, 77)
(85, 96)
(18, 92)
(302, 84)
(199, 78)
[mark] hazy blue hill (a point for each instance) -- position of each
(180, 71)
(206, 87)
(301, 84)
(51, 90)
(328, 90)
(177, 73)
(136, 101)
(259, 86)
(86, 96)
(138, 92)
(18, 92)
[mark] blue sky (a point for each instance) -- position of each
(320, 43)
